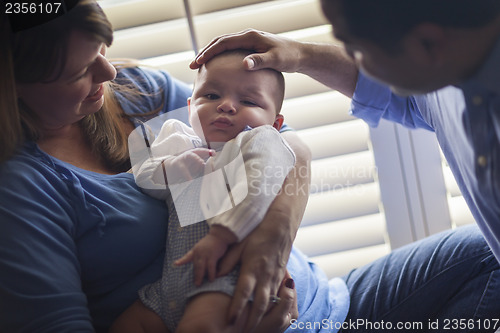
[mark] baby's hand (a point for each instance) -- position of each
(187, 166)
(206, 253)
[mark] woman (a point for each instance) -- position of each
(72, 218)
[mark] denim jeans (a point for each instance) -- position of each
(449, 282)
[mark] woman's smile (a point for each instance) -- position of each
(97, 95)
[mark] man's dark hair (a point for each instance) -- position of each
(385, 22)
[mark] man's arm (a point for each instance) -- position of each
(326, 63)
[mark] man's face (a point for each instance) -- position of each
(398, 69)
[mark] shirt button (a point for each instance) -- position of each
(481, 160)
(477, 100)
(172, 305)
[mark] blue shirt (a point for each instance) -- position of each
(76, 246)
(466, 120)
(323, 305)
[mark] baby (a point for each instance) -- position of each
(234, 139)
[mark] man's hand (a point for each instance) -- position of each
(272, 51)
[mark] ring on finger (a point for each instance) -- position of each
(274, 299)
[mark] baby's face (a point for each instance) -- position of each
(227, 98)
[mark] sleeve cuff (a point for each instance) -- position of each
(370, 100)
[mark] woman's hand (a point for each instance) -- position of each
(263, 256)
(264, 253)
(327, 63)
(278, 318)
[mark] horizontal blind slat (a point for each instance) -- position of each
(204, 6)
(126, 14)
(342, 171)
(336, 139)
(342, 204)
(341, 263)
(301, 85)
(272, 16)
(342, 235)
(316, 110)
(152, 40)
(176, 64)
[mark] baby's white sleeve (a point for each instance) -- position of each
(173, 139)
(267, 161)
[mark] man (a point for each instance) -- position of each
(431, 64)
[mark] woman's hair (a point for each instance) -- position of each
(385, 22)
(38, 54)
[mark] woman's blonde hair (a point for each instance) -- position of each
(38, 55)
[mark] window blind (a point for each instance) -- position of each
(459, 211)
(344, 223)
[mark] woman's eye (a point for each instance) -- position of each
(82, 75)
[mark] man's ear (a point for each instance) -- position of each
(278, 122)
(427, 43)
(19, 90)
(189, 106)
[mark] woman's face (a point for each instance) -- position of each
(77, 92)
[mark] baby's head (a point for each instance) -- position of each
(227, 97)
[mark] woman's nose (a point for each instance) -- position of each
(104, 70)
(226, 106)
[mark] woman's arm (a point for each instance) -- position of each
(40, 279)
(326, 63)
(264, 253)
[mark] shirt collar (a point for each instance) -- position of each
(488, 76)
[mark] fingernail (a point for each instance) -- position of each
(290, 284)
(250, 63)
